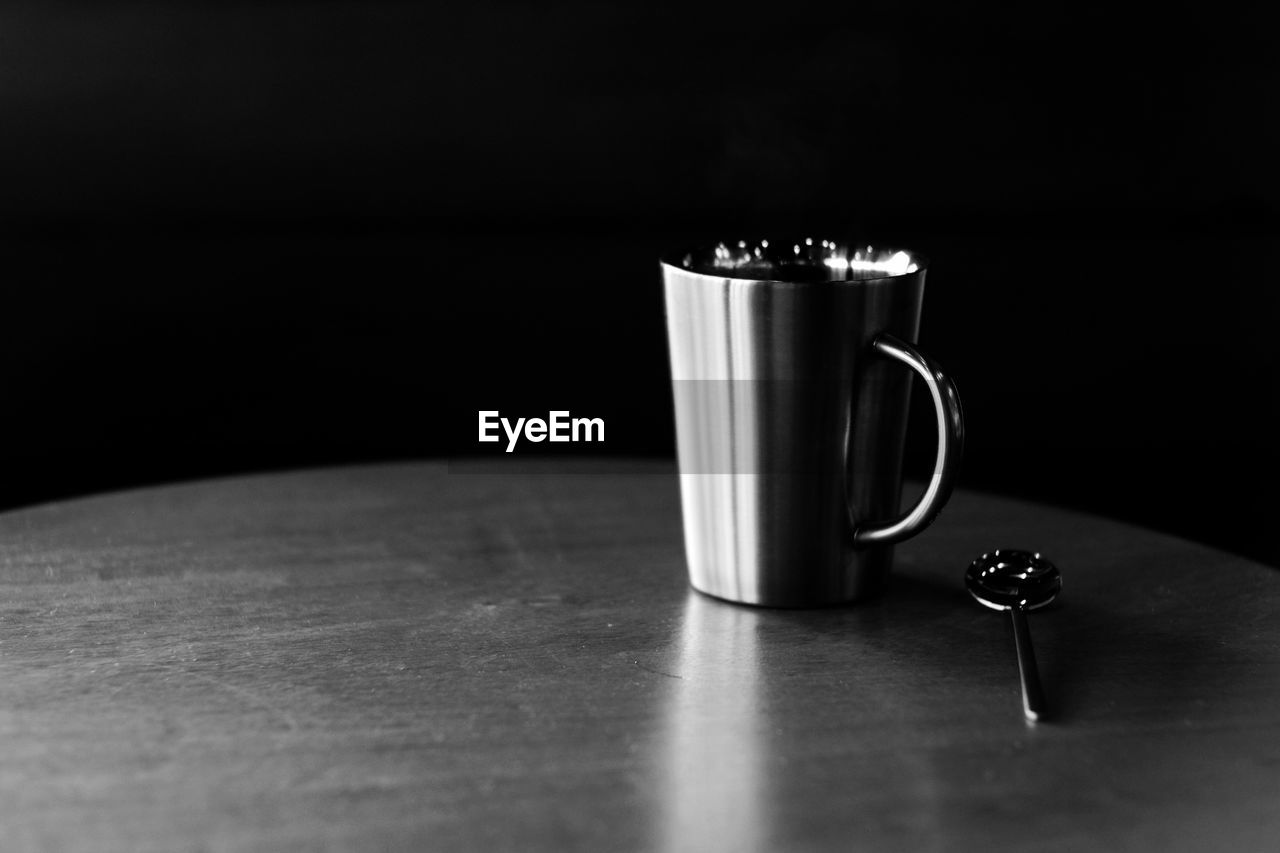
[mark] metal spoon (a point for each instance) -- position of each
(1017, 581)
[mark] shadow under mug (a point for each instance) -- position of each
(791, 366)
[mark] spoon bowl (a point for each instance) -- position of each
(1006, 579)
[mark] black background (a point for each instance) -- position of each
(240, 236)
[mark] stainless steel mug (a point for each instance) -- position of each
(791, 364)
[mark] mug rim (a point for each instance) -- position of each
(680, 260)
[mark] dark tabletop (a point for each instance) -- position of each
(400, 657)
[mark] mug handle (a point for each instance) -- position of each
(946, 403)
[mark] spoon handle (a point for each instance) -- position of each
(1033, 704)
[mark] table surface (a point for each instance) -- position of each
(401, 657)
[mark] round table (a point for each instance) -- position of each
(411, 657)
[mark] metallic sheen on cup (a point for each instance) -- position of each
(792, 364)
